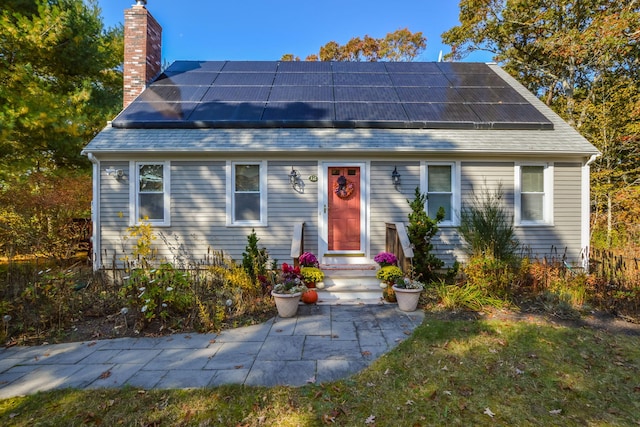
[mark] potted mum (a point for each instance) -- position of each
(388, 276)
(312, 277)
(287, 290)
(385, 259)
(407, 293)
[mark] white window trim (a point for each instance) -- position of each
(547, 200)
(455, 189)
(231, 185)
(133, 190)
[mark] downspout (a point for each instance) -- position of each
(586, 211)
(95, 212)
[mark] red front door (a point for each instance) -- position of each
(344, 208)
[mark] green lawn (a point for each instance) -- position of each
(494, 372)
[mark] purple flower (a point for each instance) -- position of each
(307, 259)
(385, 258)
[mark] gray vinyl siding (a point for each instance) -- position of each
(114, 214)
(199, 212)
(387, 203)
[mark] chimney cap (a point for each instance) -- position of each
(141, 3)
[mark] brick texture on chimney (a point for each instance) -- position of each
(142, 51)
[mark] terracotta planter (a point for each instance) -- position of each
(287, 304)
(407, 298)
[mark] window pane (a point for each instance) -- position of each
(437, 200)
(247, 177)
(151, 206)
(247, 207)
(151, 177)
(439, 178)
(532, 179)
(532, 207)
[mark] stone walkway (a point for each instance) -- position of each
(322, 343)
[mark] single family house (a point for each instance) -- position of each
(207, 151)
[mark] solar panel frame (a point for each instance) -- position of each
(156, 93)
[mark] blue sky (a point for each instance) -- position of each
(267, 29)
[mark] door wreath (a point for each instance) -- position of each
(343, 187)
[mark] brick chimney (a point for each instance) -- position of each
(142, 50)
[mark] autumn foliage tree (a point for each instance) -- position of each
(581, 58)
(400, 45)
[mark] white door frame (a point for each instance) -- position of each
(343, 257)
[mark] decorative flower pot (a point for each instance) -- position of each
(407, 298)
(320, 285)
(287, 304)
(310, 296)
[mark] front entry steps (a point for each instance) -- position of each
(350, 284)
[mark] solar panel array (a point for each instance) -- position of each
(229, 94)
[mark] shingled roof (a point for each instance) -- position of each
(385, 95)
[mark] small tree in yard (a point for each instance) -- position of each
(421, 230)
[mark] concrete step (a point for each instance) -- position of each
(350, 284)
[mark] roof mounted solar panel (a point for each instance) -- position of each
(371, 94)
(491, 95)
(225, 113)
(172, 94)
(292, 112)
(138, 113)
(182, 66)
(358, 67)
(331, 94)
(304, 67)
(237, 93)
(441, 113)
(361, 79)
(413, 67)
(416, 79)
(301, 93)
(245, 79)
(303, 79)
(368, 111)
(464, 67)
(428, 94)
(250, 66)
(475, 80)
(185, 78)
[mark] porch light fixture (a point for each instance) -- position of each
(294, 176)
(117, 173)
(395, 176)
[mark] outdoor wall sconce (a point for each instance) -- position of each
(117, 173)
(395, 176)
(294, 176)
